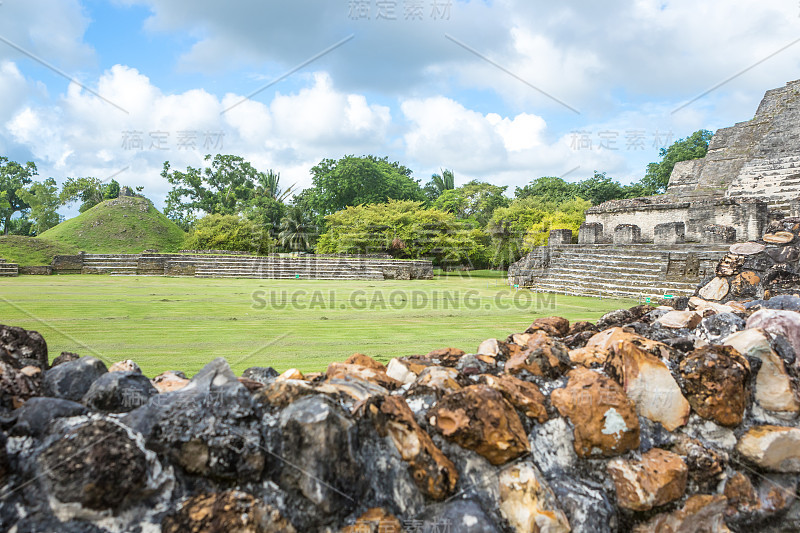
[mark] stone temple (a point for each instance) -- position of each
(667, 243)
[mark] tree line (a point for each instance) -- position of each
(363, 204)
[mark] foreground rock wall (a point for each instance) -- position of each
(649, 420)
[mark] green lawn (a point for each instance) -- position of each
(183, 323)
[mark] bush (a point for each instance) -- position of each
(229, 232)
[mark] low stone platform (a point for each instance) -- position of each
(244, 266)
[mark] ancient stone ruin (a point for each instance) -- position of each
(749, 179)
(661, 419)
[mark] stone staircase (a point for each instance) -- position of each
(287, 268)
(631, 271)
(8, 270)
(776, 179)
(115, 264)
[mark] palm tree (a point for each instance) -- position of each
(297, 231)
(444, 181)
(269, 185)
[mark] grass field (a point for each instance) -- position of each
(183, 323)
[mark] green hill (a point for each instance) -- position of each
(123, 225)
(32, 251)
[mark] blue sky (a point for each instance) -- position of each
(504, 91)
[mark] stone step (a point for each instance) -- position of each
(9, 270)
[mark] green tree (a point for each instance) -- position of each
(404, 229)
(89, 191)
(224, 187)
(111, 190)
(229, 232)
(548, 188)
(440, 183)
(475, 201)
(44, 201)
(353, 181)
(14, 178)
(527, 223)
(695, 146)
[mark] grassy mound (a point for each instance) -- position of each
(123, 225)
(32, 251)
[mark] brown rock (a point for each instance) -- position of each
(744, 499)
(588, 356)
(604, 418)
(747, 248)
(528, 503)
(706, 465)
(363, 360)
(169, 381)
(433, 473)
(478, 418)
(773, 385)
(446, 356)
(545, 356)
(523, 395)
(606, 340)
(658, 478)
(375, 520)
(781, 237)
(553, 325)
(282, 393)
(292, 373)
(729, 265)
(775, 448)
(702, 513)
(745, 284)
(580, 327)
(649, 384)
(378, 377)
(65, 357)
(715, 381)
(231, 511)
(716, 289)
(520, 339)
(125, 366)
(680, 319)
(707, 308)
(18, 384)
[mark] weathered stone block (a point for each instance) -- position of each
(794, 207)
(627, 234)
(560, 237)
(590, 233)
(718, 234)
(669, 233)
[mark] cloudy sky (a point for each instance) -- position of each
(500, 90)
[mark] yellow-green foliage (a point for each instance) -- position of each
(229, 232)
(402, 228)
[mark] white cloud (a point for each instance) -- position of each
(82, 134)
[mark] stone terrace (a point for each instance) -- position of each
(243, 266)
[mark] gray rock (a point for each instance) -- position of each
(65, 357)
(317, 458)
(720, 326)
(615, 318)
(464, 516)
(587, 506)
(36, 414)
(210, 427)
(119, 392)
(261, 374)
(72, 380)
(470, 365)
(552, 447)
(782, 302)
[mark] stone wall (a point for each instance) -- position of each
(747, 216)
